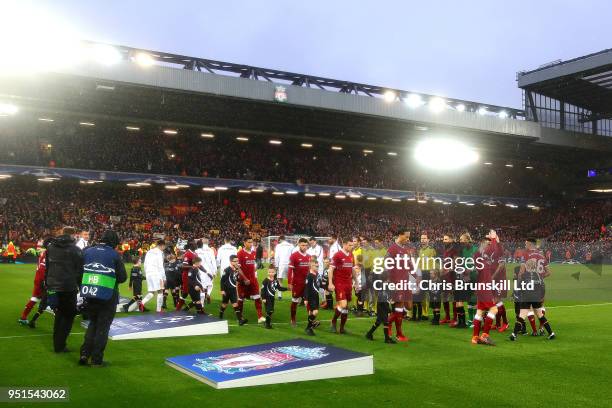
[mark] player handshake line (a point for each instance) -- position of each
(410, 263)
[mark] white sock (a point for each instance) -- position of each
(160, 302)
(147, 297)
(134, 306)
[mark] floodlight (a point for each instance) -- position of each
(144, 59)
(444, 154)
(8, 109)
(389, 96)
(413, 100)
(105, 54)
(437, 104)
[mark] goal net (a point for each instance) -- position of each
(269, 243)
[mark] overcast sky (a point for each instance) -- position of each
(462, 49)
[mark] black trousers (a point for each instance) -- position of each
(269, 304)
(64, 317)
(101, 315)
(382, 313)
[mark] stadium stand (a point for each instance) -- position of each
(224, 157)
(139, 214)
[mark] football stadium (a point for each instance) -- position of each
(180, 229)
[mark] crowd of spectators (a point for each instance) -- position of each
(97, 148)
(35, 209)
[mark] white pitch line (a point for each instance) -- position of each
(327, 320)
(33, 335)
(298, 323)
(585, 305)
(374, 317)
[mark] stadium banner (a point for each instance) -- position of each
(174, 324)
(93, 176)
(273, 363)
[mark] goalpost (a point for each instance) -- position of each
(270, 241)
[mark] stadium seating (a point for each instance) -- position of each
(36, 209)
(224, 157)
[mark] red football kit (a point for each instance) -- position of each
(535, 259)
(187, 264)
(299, 265)
(343, 275)
(248, 266)
(37, 290)
(185, 268)
(399, 273)
(541, 262)
(39, 277)
(490, 258)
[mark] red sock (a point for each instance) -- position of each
(488, 322)
(543, 314)
(179, 304)
(293, 311)
(477, 322)
(391, 319)
(399, 319)
(258, 308)
(336, 316)
(501, 311)
(532, 322)
(308, 308)
(446, 311)
(343, 320)
(498, 319)
(455, 311)
(27, 310)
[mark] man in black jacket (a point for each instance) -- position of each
(259, 254)
(64, 262)
(104, 271)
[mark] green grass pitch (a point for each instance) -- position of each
(438, 367)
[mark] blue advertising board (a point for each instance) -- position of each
(284, 361)
(95, 176)
(174, 324)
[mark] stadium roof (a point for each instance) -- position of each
(585, 82)
(187, 92)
